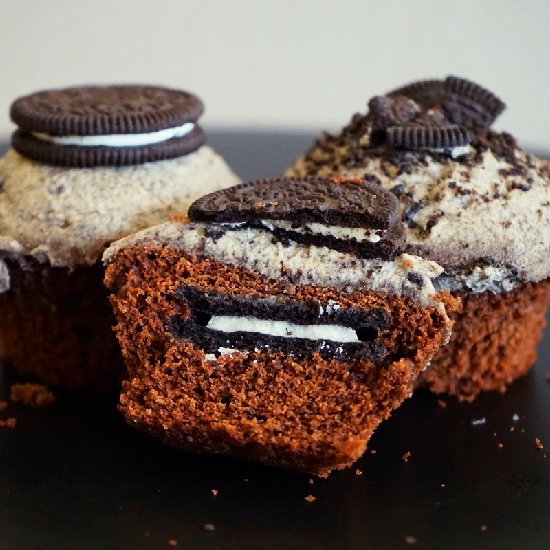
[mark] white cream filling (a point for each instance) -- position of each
(119, 140)
(344, 233)
(234, 323)
(455, 152)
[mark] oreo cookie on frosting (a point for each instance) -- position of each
(117, 125)
(348, 216)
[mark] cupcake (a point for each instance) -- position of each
(87, 166)
(282, 324)
(474, 202)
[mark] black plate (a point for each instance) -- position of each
(74, 476)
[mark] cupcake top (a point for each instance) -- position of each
(92, 164)
(346, 236)
(471, 199)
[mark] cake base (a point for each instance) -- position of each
(494, 342)
(306, 413)
(56, 327)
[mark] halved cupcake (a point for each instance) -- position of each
(254, 331)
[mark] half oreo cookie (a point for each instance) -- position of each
(463, 102)
(348, 216)
(119, 125)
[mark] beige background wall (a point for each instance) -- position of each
(283, 63)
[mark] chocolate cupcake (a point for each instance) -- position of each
(254, 331)
(474, 202)
(88, 165)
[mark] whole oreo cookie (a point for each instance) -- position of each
(115, 125)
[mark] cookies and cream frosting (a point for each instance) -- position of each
(486, 221)
(67, 216)
(485, 216)
(256, 250)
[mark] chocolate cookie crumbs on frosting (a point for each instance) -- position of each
(455, 178)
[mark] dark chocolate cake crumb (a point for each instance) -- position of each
(8, 423)
(35, 396)
(406, 456)
(538, 443)
(520, 186)
(412, 211)
(414, 278)
(358, 472)
(398, 189)
(3, 406)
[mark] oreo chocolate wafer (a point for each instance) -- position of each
(462, 101)
(426, 93)
(392, 110)
(115, 125)
(491, 104)
(348, 216)
(414, 137)
(469, 104)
